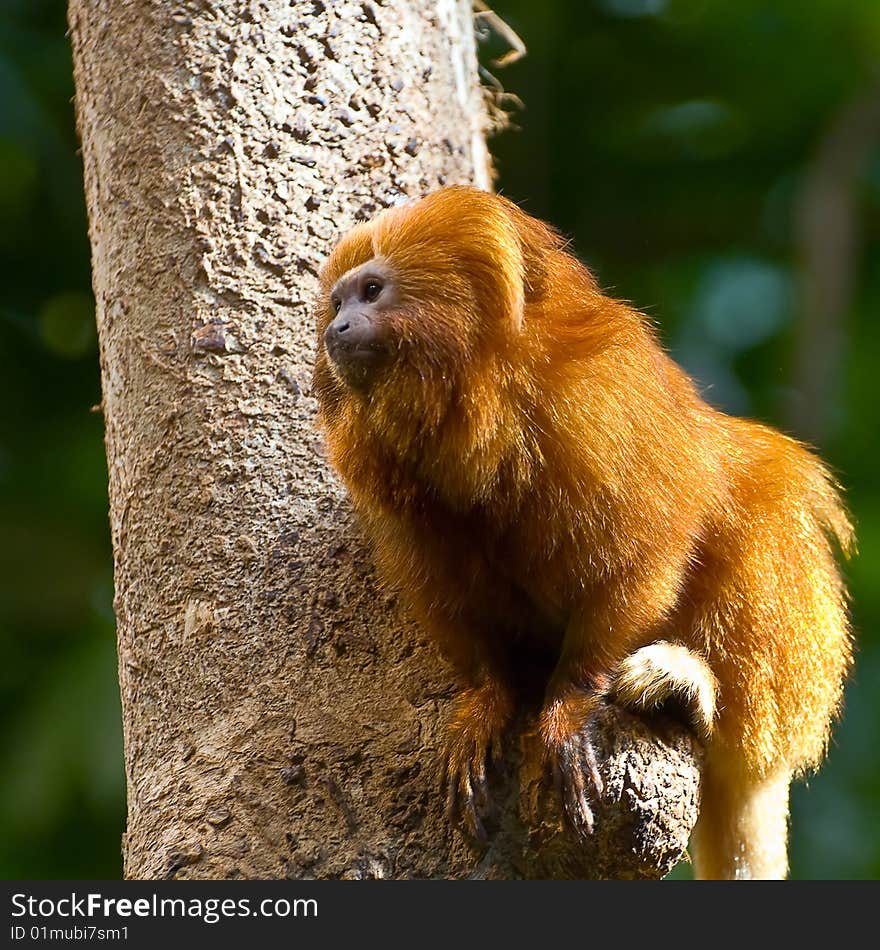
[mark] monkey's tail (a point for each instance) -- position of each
(742, 829)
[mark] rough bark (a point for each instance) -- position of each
(280, 717)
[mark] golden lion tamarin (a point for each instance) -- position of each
(550, 493)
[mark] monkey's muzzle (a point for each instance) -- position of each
(354, 347)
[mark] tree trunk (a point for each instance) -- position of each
(280, 717)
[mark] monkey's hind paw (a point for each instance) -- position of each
(577, 779)
(668, 674)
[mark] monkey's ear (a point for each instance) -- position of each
(479, 247)
(534, 272)
(509, 253)
(506, 271)
(537, 242)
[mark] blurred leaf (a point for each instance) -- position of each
(18, 178)
(67, 324)
(633, 8)
(742, 301)
(696, 130)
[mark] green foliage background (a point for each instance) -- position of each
(669, 138)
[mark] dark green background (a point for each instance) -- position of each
(671, 138)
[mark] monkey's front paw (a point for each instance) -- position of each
(464, 776)
(564, 731)
(473, 738)
(576, 778)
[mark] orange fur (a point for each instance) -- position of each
(539, 478)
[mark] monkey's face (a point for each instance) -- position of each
(401, 336)
(358, 338)
(422, 310)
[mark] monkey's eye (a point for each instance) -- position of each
(336, 303)
(372, 289)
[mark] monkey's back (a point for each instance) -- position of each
(753, 517)
(767, 605)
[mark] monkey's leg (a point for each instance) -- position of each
(742, 831)
(473, 735)
(455, 599)
(620, 613)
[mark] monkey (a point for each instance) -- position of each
(557, 503)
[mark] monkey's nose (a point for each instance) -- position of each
(354, 347)
(346, 331)
(349, 332)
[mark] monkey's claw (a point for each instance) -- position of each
(577, 780)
